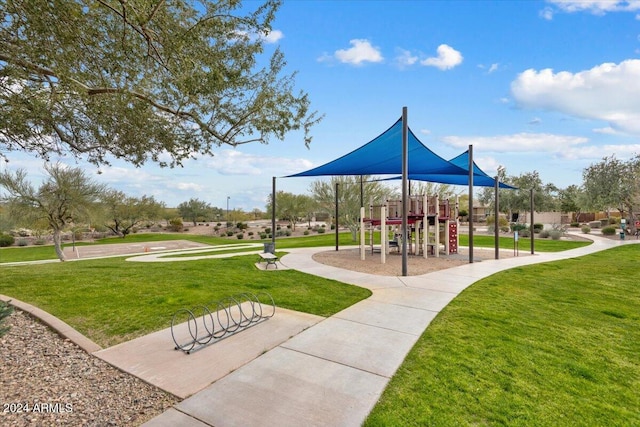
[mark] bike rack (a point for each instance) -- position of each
(193, 329)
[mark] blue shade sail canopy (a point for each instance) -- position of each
(383, 156)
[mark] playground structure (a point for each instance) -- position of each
(432, 227)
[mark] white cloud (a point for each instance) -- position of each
(234, 162)
(405, 58)
(608, 92)
(606, 131)
(360, 52)
(546, 13)
(596, 7)
(519, 142)
(447, 58)
(535, 121)
(598, 152)
(493, 68)
(273, 37)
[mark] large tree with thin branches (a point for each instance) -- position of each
(140, 79)
(66, 196)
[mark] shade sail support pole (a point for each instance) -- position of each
(273, 211)
(405, 174)
(470, 204)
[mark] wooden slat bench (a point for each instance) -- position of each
(269, 258)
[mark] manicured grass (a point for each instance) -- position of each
(36, 253)
(524, 244)
(113, 300)
(554, 344)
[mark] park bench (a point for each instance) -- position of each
(269, 258)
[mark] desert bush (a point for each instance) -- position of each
(6, 240)
(5, 311)
(524, 233)
(586, 229)
(514, 225)
(229, 233)
(609, 230)
(544, 234)
(555, 234)
(175, 224)
(306, 232)
(575, 224)
(240, 236)
(537, 227)
(595, 224)
(263, 236)
(23, 242)
(320, 230)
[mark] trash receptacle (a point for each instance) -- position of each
(622, 235)
(270, 248)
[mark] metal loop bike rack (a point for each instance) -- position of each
(198, 327)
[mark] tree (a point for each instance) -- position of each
(291, 207)
(140, 78)
(613, 183)
(124, 213)
(194, 209)
(374, 192)
(572, 199)
(519, 200)
(65, 197)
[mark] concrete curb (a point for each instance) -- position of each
(54, 323)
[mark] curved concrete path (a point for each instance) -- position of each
(333, 373)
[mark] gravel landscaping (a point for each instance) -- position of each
(47, 380)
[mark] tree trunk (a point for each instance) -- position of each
(57, 244)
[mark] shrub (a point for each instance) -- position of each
(614, 220)
(267, 230)
(609, 230)
(250, 233)
(175, 224)
(575, 224)
(229, 233)
(240, 236)
(5, 311)
(6, 240)
(263, 235)
(544, 234)
(514, 226)
(39, 242)
(555, 235)
(321, 230)
(23, 242)
(306, 232)
(595, 224)
(537, 227)
(586, 229)
(524, 233)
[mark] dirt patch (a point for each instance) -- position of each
(349, 259)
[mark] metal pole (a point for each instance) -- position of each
(337, 237)
(405, 173)
(532, 222)
(496, 211)
(228, 197)
(273, 211)
(470, 204)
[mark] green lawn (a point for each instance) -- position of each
(113, 300)
(36, 253)
(554, 344)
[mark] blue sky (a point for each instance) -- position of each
(551, 86)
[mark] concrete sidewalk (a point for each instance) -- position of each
(333, 373)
